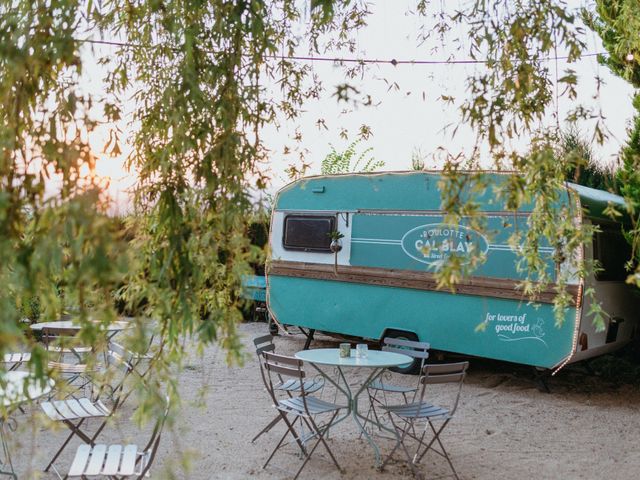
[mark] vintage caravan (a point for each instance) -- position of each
(394, 237)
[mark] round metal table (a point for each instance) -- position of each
(376, 360)
(72, 326)
(12, 395)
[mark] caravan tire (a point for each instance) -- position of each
(412, 368)
(273, 327)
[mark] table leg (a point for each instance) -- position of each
(352, 407)
(345, 391)
(357, 417)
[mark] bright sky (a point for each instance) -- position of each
(405, 119)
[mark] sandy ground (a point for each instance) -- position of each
(587, 428)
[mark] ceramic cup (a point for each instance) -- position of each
(345, 350)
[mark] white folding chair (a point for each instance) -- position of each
(134, 359)
(403, 417)
(118, 461)
(74, 412)
(15, 360)
(61, 343)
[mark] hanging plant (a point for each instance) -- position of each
(335, 247)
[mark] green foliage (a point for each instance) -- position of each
(584, 169)
(347, 161)
(335, 235)
(417, 160)
(618, 24)
(197, 75)
(508, 100)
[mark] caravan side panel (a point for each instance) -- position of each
(395, 238)
(515, 331)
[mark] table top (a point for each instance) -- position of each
(374, 359)
(14, 392)
(75, 326)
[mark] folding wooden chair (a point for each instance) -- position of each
(74, 412)
(408, 414)
(413, 349)
(302, 409)
(291, 386)
(118, 461)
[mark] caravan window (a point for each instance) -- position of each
(612, 251)
(308, 233)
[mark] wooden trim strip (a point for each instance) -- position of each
(480, 286)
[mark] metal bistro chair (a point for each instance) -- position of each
(118, 461)
(74, 412)
(414, 349)
(303, 408)
(410, 413)
(61, 343)
(134, 359)
(14, 361)
(291, 386)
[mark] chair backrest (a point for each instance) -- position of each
(279, 366)
(264, 344)
(134, 359)
(412, 348)
(445, 373)
(61, 340)
(120, 364)
(50, 334)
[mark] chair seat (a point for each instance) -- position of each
(378, 385)
(417, 410)
(73, 367)
(16, 357)
(58, 349)
(73, 409)
(315, 406)
(102, 460)
(310, 386)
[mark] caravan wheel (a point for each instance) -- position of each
(410, 368)
(273, 328)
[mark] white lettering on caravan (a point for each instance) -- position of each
(434, 243)
(509, 328)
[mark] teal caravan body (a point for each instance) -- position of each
(395, 238)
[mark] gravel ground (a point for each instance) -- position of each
(587, 428)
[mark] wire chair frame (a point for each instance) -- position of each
(61, 342)
(83, 466)
(265, 344)
(302, 408)
(420, 409)
(73, 413)
(411, 348)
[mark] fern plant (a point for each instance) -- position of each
(347, 161)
